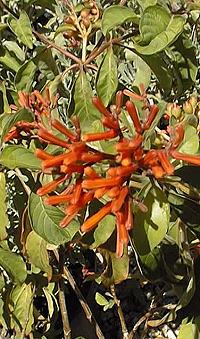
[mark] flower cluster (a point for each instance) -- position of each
(77, 179)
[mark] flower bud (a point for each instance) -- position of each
(187, 107)
(193, 101)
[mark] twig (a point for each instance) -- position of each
(120, 313)
(61, 297)
(67, 275)
(58, 48)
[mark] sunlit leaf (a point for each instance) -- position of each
(107, 79)
(190, 142)
(189, 331)
(151, 227)
(84, 108)
(45, 222)
(36, 248)
(104, 230)
(25, 76)
(146, 3)
(116, 15)
(100, 299)
(9, 60)
(18, 156)
(22, 28)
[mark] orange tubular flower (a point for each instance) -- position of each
(40, 98)
(134, 116)
(64, 130)
(158, 172)
(90, 172)
(122, 234)
(191, 159)
(51, 186)
(128, 214)
(99, 192)
(41, 154)
(100, 106)
(119, 101)
(50, 138)
(167, 166)
(133, 95)
(77, 192)
(58, 199)
(117, 203)
(124, 171)
(99, 136)
(92, 222)
(101, 182)
(114, 192)
(89, 157)
(153, 112)
(178, 135)
(54, 161)
(110, 123)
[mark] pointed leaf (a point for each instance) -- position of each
(9, 60)
(3, 208)
(25, 76)
(146, 3)
(116, 15)
(6, 107)
(190, 142)
(19, 156)
(107, 80)
(36, 248)
(84, 109)
(21, 305)
(151, 227)
(104, 230)
(189, 331)
(14, 265)
(45, 222)
(100, 299)
(22, 28)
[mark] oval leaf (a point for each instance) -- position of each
(84, 109)
(19, 156)
(104, 230)
(189, 331)
(107, 80)
(190, 142)
(100, 299)
(25, 76)
(116, 15)
(3, 208)
(9, 60)
(165, 38)
(36, 249)
(45, 222)
(151, 227)
(14, 265)
(22, 28)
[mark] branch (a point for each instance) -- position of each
(61, 297)
(120, 313)
(67, 275)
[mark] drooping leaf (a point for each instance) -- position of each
(116, 15)
(84, 108)
(3, 208)
(151, 227)
(154, 21)
(6, 107)
(25, 76)
(36, 248)
(18, 156)
(9, 120)
(45, 222)
(107, 80)
(165, 38)
(104, 230)
(46, 63)
(21, 305)
(14, 265)
(22, 28)
(190, 142)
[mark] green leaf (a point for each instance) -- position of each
(165, 38)
(9, 60)
(84, 108)
(45, 222)
(143, 71)
(6, 107)
(22, 28)
(3, 26)
(117, 268)
(107, 80)
(190, 142)
(116, 15)
(104, 230)
(25, 76)
(146, 3)
(19, 156)
(36, 248)
(154, 21)
(3, 208)
(14, 265)
(21, 306)
(46, 62)
(12, 46)
(151, 264)
(100, 299)
(150, 227)
(189, 331)
(9, 120)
